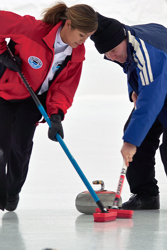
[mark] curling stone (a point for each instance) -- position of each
(85, 203)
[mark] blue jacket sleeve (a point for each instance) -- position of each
(150, 100)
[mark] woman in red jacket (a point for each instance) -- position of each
(50, 53)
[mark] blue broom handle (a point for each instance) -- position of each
(59, 139)
(69, 155)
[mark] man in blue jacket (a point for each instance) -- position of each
(141, 51)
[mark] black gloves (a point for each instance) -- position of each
(9, 62)
(56, 127)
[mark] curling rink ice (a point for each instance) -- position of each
(46, 216)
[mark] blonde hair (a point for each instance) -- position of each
(82, 16)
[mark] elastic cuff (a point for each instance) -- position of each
(61, 113)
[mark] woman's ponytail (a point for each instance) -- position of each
(54, 14)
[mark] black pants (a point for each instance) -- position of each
(17, 127)
(141, 172)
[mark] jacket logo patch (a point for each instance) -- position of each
(35, 62)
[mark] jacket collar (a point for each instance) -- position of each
(78, 54)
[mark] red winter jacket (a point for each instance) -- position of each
(35, 43)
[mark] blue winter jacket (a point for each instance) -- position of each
(146, 70)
